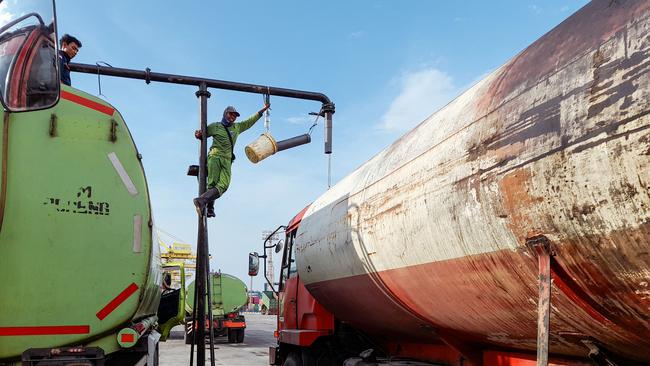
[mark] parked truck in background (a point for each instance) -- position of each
(437, 249)
(229, 296)
(269, 303)
(254, 298)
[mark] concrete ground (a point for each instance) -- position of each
(253, 351)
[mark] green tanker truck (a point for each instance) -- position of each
(229, 295)
(80, 267)
(268, 303)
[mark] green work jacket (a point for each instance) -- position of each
(220, 142)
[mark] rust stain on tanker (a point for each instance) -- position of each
(603, 94)
(517, 202)
(596, 23)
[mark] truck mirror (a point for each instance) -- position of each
(29, 77)
(253, 263)
(278, 247)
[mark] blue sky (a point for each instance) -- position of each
(386, 64)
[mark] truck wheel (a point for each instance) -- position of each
(240, 335)
(294, 359)
(232, 337)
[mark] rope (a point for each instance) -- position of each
(267, 115)
(99, 80)
(315, 121)
(329, 156)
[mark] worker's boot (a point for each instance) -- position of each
(210, 212)
(203, 200)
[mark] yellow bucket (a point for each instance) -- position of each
(261, 148)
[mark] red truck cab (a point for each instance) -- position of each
(301, 319)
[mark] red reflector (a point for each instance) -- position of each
(232, 315)
(275, 334)
(128, 338)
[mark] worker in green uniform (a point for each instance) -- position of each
(221, 155)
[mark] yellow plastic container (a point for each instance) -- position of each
(261, 148)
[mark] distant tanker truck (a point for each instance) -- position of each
(433, 250)
(229, 296)
(268, 303)
(80, 268)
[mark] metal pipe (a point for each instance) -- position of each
(542, 247)
(210, 316)
(544, 309)
(202, 246)
(327, 110)
(193, 341)
(149, 76)
(293, 142)
(328, 132)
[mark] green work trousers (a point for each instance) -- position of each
(219, 173)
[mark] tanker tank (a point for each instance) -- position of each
(228, 295)
(76, 246)
(80, 269)
(431, 234)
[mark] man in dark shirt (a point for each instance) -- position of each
(69, 48)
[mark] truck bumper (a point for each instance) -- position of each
(234, 324)
(91, 356)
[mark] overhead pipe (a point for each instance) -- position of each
(293, 142)
(327, 110)
(148, 76)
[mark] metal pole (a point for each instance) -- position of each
(210, 317)
(193, 322)
(544, 308)
(542, 247)
(201, 276)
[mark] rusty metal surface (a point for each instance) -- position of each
(542, 247)
(553, 143)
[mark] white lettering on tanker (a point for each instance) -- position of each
(82, 205)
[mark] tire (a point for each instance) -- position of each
(232, 336)
(240, 335)
(293, 359)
